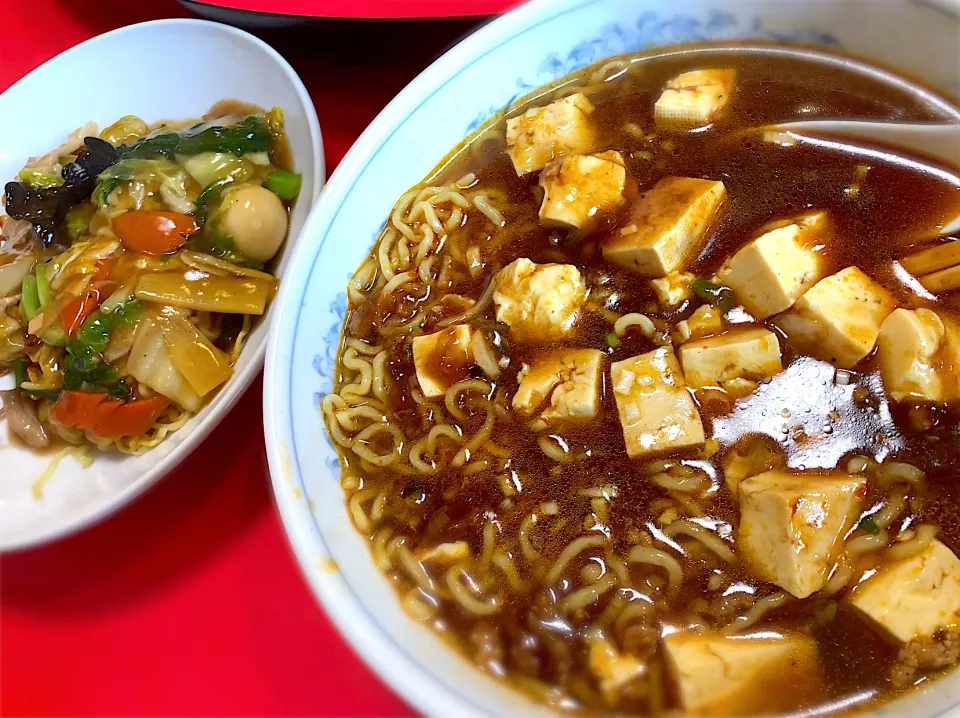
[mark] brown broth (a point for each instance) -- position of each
(814, 422)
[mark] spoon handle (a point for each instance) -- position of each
(937, 141)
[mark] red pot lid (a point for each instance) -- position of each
(369, 9)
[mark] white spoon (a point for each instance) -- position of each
(937, 142)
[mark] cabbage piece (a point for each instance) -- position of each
(125, 130)
(155, 175)
(77, 222)
(19, 250)
(199, 291)
(12, 338)
(209, 167)
(13, 272)
(150, 364)
(121, 342)
(70, 272)
(194, 356)
(38, 179)
(116, 300)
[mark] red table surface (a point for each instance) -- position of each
(188, 602)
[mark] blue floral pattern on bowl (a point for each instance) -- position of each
(536, 44)
(649, 30)
(324, 364)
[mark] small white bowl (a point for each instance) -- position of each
(166, 69)
(533, 45)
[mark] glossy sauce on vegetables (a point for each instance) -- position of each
(137, 254)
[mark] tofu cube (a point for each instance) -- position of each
(673, 289)
(918, 352)
(839, 317)
(720, 675)
(613, 669)
(568, 381)
(442, 359)
(772, 272)
(705, 320)
(914, 597)
(581, 189)
(657, 413)
(694, 97)
(751, 353)
(907, 351)
(540, 302)
(666, 226)
(542, 134)
(792, 526)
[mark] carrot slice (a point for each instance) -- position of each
(79, 409)
(76, 310)
(131, 418)
(104, 269)
(153, 232)
(108, 418)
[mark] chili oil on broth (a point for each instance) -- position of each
(539, 531)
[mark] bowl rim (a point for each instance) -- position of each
(227, 398)
(426, 693)
(392, 664)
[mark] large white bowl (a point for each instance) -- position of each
(163, 69)
(533, 45)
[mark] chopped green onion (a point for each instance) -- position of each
(55, 335)
(868, 525)
(20, 372)
(44, 291)
(286, 185)
(613, 340)
(715, 294)
(88, 372)
(35, 291)
(29, 298)
(48, 394)
(20, 376)
(94, 334)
